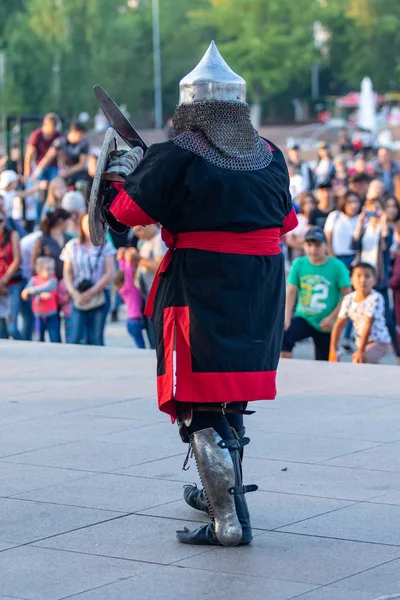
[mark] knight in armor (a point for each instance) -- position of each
(221, 195)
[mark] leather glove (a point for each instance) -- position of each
(123, 162)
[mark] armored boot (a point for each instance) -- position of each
(194, 496)
(240, 499)
(218, 462)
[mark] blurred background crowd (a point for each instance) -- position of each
(312, 69)
(54, 284)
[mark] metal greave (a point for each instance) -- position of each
(217, 473)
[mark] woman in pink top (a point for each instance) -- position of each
(128, 260)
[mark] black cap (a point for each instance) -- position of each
(294, 147)
(316, 234)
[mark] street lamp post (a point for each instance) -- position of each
(158, 118)
(315, 81)
(321, 36)
(2, 85)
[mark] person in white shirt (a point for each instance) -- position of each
(20, 204)
(366, 308)
(27, 244)
(296, 182)
(324, 170)
(341, 225)
(300, 167)
(295, 239)
(88, 273)
(8, 186)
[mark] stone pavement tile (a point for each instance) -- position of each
(24, 521)
(115, 387)
(139, 409)
(301, 448)
(39, 574)
(296, 558)
(365, 521)
(16, 478)
(382, 458)
(171, 468)
(368, 380)
(134, 537)
(383, 580)
(6, 545)
(38, 405)
(331, 482)
(110, 492)
(376, 425)
(19, 390)
(335, 592)
(151, 437)
(267, 509)
(320, 404)
(169, 583)
(392, 498)
(178, 511)
(51, 431)
(90, 455)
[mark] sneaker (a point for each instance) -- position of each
(114, 316)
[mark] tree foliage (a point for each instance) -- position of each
(268, 42)
(56, 50)
(365, 42)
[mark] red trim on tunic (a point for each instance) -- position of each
(165, 383)
(203, 387)
(126, 211)
(260, 242)
(290, 222)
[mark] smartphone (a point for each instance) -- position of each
(371, 214)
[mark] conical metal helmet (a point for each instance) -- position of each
(212, 79)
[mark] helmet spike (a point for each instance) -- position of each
(212, 79)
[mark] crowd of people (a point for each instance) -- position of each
(54, 284)
(343, 259)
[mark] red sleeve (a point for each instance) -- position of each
(290, 222)
(32, 141)
(126, 211)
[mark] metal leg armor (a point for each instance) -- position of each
(194, 496)
(219, 467)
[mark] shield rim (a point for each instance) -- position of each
(98, 228)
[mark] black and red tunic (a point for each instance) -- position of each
(221, 292)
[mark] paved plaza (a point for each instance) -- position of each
(91, 484)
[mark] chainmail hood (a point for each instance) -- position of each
(222, 133)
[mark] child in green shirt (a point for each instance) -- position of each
(316, 286)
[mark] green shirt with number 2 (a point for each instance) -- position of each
(318, 288)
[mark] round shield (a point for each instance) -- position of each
(97, 225)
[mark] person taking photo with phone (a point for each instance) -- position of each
(372, 240)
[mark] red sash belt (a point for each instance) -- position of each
(264, 242)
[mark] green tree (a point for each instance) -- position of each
(268, 42)
(365, 42)
(28, 63)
